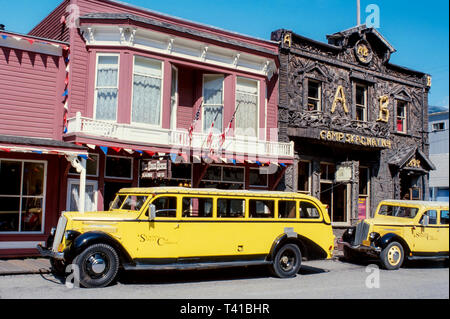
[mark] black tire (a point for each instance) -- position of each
(98, 265)
(287, 261)
(58, 267)
(392, 256)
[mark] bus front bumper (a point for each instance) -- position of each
(48, 253)
(365, 247)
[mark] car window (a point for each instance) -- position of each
(444, 217)
(165, 206)
(398, 211)
(432, 214)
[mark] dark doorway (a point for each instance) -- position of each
(110, 190)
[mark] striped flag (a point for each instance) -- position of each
(196, 117)
(223, 135)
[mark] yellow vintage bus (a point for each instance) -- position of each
(181, 228)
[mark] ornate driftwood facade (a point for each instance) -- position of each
(351, 112)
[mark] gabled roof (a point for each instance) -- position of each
(404, 154)
(360, 29)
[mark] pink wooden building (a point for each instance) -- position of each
(152, 99)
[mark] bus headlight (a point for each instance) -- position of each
(373, 236)
(70, 235)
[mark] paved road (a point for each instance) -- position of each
(317, 279)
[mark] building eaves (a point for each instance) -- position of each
(181, 29)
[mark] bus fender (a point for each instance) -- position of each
(386, 239)
(87, 239)
(288, 236)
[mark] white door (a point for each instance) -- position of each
(73, 195)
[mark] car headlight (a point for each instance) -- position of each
(373, 236)
(350, 231)
(52, 231)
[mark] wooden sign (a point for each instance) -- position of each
(156, 169)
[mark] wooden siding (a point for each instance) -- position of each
(51, 27)
(31, 87)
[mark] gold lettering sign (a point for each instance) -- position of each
(339, 97)
(287, 39)
(349, 138)
(363, 52)
(414, 163)
(384, 109)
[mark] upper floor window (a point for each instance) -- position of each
(314, 95)
(147, 87)
(213, 102)
(361, 102)
(246, 121)
(106, 87)
(401, 119)
(440, 126)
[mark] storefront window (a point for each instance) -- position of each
(21, 196)
(119, 167)
(91, 166)
(258, 177)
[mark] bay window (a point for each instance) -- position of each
(147, 87)
(246, 121)
(106, 87)
(213, 102)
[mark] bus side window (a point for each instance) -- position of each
(197, 207)
(227, 207)
(286, 209)
(166, 206)
(261, 208)
(308, 210)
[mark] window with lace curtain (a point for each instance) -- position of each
(213, 102)
(147, 87)
(246, 121)
(106, 87)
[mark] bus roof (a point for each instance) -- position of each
(210, 191)
(415, 202)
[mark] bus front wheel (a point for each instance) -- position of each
(287, 261)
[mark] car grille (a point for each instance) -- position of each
(59, 232)
(362, 230)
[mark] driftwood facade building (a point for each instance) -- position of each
(359, 122)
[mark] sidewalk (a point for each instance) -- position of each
(24, 266)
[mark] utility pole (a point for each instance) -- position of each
(358, 13)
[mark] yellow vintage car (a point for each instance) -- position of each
(400, 229)
(181, 228)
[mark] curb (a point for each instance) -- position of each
(24, 266)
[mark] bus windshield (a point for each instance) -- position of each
(129, 202)
(398, 211)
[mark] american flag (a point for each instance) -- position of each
(196, 117)
(223, 135)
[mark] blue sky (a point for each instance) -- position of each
(418, 30)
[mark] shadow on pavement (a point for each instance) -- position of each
(204, 275)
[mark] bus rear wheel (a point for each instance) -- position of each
(287, 261)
